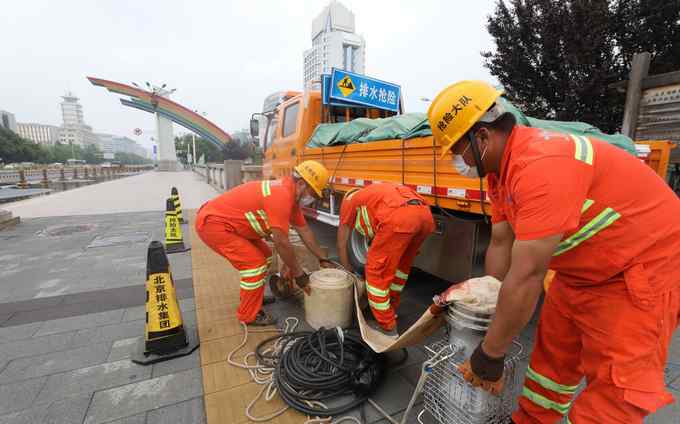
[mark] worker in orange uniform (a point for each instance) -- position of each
(397, 220)
(609, 227)
(235, 223)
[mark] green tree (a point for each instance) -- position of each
(555, 58)
(130, 159)
(183, 144)
(91, 154)
(13, 148)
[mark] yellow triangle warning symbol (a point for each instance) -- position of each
(346, 86)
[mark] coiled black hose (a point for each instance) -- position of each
(322, 366)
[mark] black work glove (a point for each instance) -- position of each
(326, 263)
(486, 367)
(302, 281)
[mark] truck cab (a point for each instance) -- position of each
(289, 118)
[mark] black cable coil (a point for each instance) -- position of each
(323, 366)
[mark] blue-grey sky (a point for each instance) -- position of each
(223, 57)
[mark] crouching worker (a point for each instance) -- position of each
(397, 220)
(235, 223)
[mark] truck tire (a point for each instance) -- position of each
(357, 250)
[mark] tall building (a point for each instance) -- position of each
(74, 130)
(111, 144)
(8, 121)
(334, 44)
(39, 133)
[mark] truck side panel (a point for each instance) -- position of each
(412, 162)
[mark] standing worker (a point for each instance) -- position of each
(235, 223)
(609, 227)
(397, 220)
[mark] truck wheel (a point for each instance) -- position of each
(358, 251)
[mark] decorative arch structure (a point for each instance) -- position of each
(155, 104)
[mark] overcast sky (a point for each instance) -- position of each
(223, 57)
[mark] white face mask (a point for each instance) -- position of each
(306, 200)
(463, 168)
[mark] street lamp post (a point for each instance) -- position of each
(193, 137)
(193, 140)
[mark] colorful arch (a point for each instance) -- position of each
(152, 103)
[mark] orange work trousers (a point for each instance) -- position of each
(612, 337)
(251, 258)
(390, 256)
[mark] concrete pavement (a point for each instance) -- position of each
(143, 192)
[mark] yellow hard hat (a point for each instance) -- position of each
(314, 174)
(457, 108)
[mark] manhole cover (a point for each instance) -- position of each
(118, 239)
(65, 230)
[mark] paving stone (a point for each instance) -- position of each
(37, 345)
(31, 304)
(122, 349)
(671, 373)
(80, 322)
(18, 332)
(411, 373)
(18, 396)
(187, 304)
(392, 395)
(65, 411)
(91, 379)
(177, 364)
(189, 319)
(52, 363)
(138, 397)
(109, 333)
(412, 417)
(669, 414)
(189, 412)
(135, 419)
(135, 313)
(397, 362)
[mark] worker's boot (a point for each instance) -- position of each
(263, 318)
(392, 334)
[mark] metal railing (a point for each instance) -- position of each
(24, 176)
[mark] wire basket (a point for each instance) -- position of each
(450, 399)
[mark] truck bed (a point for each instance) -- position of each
(411, 162)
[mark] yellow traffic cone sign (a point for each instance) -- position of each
(174, 241)
(174, 195)
(164, 334)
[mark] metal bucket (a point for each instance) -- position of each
(448, 397)
(467, 327)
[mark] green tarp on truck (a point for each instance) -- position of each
(411, 125)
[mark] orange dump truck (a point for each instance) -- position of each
(456, 249)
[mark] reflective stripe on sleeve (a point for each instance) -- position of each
(266, 188)
(583, 149)
(605, 218)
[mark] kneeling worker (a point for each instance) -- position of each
(397, 220)
(235, 223)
